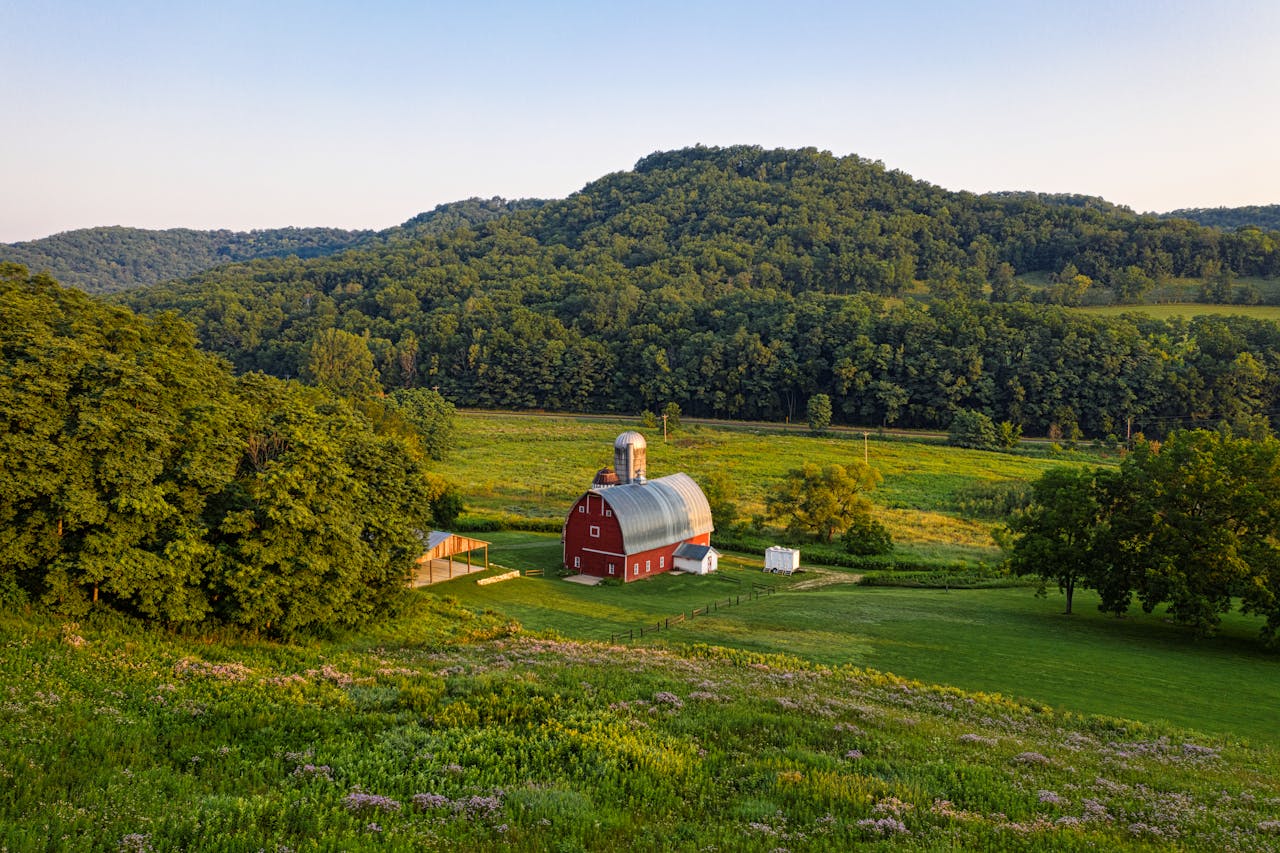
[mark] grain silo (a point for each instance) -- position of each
(629, 461)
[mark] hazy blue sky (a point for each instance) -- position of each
(260, 114)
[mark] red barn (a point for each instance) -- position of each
(632, 529)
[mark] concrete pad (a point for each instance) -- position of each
(585, 580)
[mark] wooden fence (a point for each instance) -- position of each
(758, 590)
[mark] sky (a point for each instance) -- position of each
(273, 113)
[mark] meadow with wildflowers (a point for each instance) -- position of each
(449, 728)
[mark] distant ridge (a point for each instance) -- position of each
(1266, 217)
(114, 258)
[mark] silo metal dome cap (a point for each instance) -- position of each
(631, 438)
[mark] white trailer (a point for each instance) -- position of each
(781, 561)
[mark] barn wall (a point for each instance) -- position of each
(593, 555)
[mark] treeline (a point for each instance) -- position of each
(746, 352)
(1193, 524)
(138, 473)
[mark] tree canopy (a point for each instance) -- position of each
(136, 472)
(1192, 524)
(823, 500)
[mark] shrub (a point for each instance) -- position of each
(818, 412)
(867, 536)
(973, 430)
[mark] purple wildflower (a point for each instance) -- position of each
(359, 801)
(665, 698)
(431, 801)
(884, 826)
(135, 842)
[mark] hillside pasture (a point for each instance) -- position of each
(993, 640)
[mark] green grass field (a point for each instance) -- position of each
(538, 466)
(1187, 310)
(764, 725)
(993, 640)
(444, 729)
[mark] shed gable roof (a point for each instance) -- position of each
(658, 512)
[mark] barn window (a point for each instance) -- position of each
(595, 531)
(608, 513)
(577, 562)
(647, 565)
(611, 568)
(635, 570)
(582, 507)
(662, 562)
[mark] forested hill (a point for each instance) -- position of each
(738, 282)
(1266, 217)
(108, 259)
(102, 260)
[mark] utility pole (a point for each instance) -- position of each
(664, 427)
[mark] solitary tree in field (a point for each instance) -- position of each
(1055, 537)
(823, 500)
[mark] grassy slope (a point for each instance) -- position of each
(996, 640)
(113, 737)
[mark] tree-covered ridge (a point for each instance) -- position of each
(1265, 217)
(716, 279)
(136, 471)
(102, 260)
(108, 259)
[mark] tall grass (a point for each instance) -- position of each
(445, 730)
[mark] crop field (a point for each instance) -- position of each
(993, 640)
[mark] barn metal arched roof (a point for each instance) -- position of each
(658, 512)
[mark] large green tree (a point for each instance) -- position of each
(1055, 536)
(823, 500)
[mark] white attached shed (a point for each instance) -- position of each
(696, 559)
(782, 561)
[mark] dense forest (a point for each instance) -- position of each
(1265, 217)
(137, 471)
(103, 260)
(739, 282)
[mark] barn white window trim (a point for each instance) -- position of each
(662, 562)
(648, 564)
(582, 507)
(611, 568)
(594, 531)
(608, 513)
(577, 562)
(635, 570)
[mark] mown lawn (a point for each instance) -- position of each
(995, 640)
